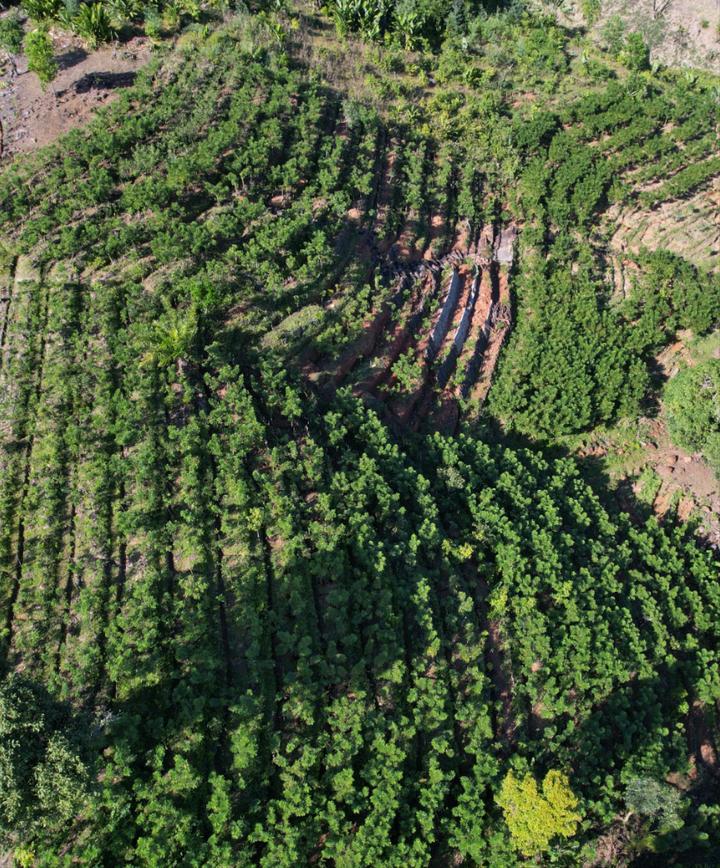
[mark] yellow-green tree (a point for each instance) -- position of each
(535, 818)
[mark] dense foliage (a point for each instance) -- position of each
(43, 759)
(581, 357)
(535, 818)
(254, 624)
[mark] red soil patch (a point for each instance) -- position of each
(363, 346)
(405, 245)
(462, 238)
(402, 406)
(445, 413)
(502, 680)
(693, 479)
(423, 403)
(465, 276)
(444, 418)
(500, 329)
(484, 250)
(483, 307)
(677, 353)
(435, 230)
(700, 739)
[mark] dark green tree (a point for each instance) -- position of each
(44, 774)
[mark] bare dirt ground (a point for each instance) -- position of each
(687, 34)
(678, 32)
(86, 80)
(688, 481)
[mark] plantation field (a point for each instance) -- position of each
(296, 567)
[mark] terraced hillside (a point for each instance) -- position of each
(434, 339)
(269, 594)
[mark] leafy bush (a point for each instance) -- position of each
(293, 619)
(591, 10)
(43, 776)
(43, 10)
(535, 818)
(658, 802)
(668, 294)
(692, 409)
(67, 14)
(122, 11)
(613, 34)
(568, 365)
(40, 55)
(11, 33)
(407, 372)
(153, 22)
(635, 54)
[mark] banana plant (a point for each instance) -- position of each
(92, 23)
(409, 24)
(346, 14)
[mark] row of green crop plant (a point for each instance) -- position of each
(570, 343)
(279, 615)
(297, 660)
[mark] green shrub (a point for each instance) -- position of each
(635, 54)
(534, 818)
(43, 775)
(658, 802)
(669, 294)
(692, 408)
(613, 34)
(11, 33)
(153, 22)
(39, 50)
(591, 10)
(67, 14)
(43, 10)
(123, 11)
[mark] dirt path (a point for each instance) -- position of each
(504, 723)
(499, 322)
(86, 81)
(700, 740)
(506, 726)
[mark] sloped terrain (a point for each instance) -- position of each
(680, 32)
(284, 579)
